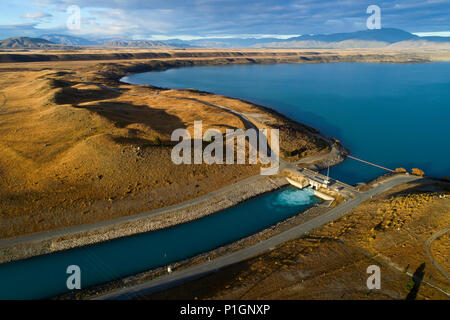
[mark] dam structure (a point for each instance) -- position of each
(306, 178)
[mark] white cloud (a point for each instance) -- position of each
(215, 18)
(433, 34)
(36, 15)
(24, 29)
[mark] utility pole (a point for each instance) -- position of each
(328, 176)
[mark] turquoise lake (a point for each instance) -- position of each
(45, 276)
(395, 115)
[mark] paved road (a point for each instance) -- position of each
(428, 250)
(179, 277)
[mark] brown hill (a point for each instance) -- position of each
(26, 43)
(314, 44)
(73, 153)
(136, 44)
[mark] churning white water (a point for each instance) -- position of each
(294, 197)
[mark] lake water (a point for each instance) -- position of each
(45, 276)
(395, 115)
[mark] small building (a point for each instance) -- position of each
(318, 182)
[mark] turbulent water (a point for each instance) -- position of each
(395, 115)
(45, 276)
(292, 197)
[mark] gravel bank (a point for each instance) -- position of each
(152, 221)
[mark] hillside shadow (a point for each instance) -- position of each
(424, 187)
(124, 114)
(417, 278)
(70, 95)
(298, 152)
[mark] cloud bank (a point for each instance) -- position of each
(220, 18)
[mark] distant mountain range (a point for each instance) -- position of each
(360, 39)
(386, 37)
(26, 42)
(135, 44)
(377, 38)
(115, 43)
(225, 42)
(69, 40)
(383, 35)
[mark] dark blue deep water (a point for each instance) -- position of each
(395, 115)
(45, 276)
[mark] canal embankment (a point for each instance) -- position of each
(49, 242)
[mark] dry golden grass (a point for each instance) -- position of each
(74, 153)
(67, 151)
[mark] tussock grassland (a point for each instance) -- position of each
(72, 152)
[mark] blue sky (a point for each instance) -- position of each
(161, 19)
